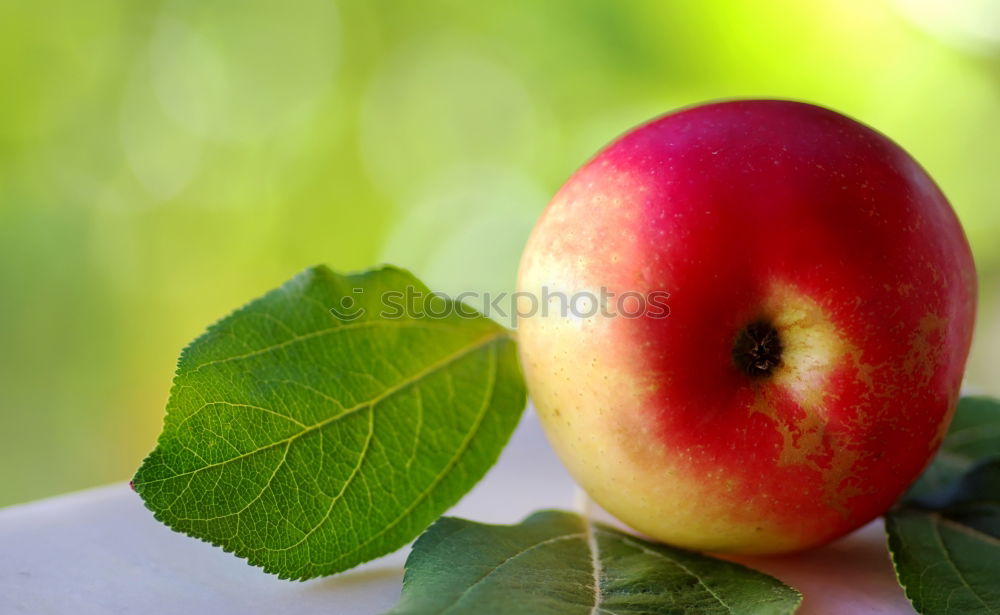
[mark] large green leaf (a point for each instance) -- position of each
(556, 563)
(322, 426)
(946, 546)
(974, 435)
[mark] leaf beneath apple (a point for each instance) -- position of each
(557, 562)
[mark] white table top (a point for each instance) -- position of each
(101, 552)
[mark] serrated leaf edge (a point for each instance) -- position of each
(937, 519)
(501, 335)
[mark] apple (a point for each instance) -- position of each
(806, 363)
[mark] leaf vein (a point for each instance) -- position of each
(954, 565)
(351, 326)
(684, 568)
(466, 442)
(417, 377)
(493, 570)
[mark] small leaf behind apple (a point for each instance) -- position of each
(974, 435)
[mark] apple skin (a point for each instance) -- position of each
(749, 211)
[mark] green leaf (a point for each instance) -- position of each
(560, 563)
(945, 537)
(975, 431)
(973, 501)
(321, 426)
(946, 547)
(944, 567)
(974, 435)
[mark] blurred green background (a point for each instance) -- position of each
(163, 162)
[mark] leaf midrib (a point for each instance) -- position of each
(295, 339)
(597, 568)
(396, 388)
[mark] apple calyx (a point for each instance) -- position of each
(757, 349)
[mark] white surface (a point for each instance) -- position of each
(101, 552)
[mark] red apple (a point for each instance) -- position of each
(821, 304)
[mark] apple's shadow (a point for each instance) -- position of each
(851, 575)
(369, 589)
